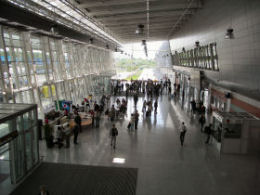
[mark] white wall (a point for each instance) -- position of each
(238, 58)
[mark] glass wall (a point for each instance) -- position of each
(21, 128)
(39, 69)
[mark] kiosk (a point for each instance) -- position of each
(236, 132)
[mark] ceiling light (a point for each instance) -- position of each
(229, 33)
(119, 160)
(91, 40)
(140, 29)
(197, 44)
(54, 29)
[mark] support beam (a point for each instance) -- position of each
(105, 10)
(142, 16)
(134, 25)
(126, 14)
(135, 22)
(91, 4)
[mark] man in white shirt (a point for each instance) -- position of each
(182, 133)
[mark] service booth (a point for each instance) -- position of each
(236, 132)
(19, 148)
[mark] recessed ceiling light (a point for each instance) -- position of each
(119, 160)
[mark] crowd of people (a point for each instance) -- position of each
(149, 87)
(117, 110)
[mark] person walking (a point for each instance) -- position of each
(135, 98)
(113, 134)
(97, 117)
(169, 90)
(155, 106)
(77, 120)
(182, 133)
(208, 131)
(136, 119)
(202, 121)
(193, 106)
(144, 107)
(76, 132)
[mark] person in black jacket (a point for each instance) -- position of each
(202, 121)
(113, 134)
(208, 131)
(77, 120)
(135, 98)
(155, 106)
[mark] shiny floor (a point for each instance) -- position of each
(164, 167)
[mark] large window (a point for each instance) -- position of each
(39, 63)
(39, 69)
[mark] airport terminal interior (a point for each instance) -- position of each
(145, 97)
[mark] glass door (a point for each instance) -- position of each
(28, 150)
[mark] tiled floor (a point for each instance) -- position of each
(164, 167)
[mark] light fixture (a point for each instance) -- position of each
(107, 46)
(119, 160)
(229, 33)
(183, 49)
(140, 29)
(54, 29)
(91, 40)
(197, 44)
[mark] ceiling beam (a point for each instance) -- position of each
(91, 4)
(177, 11)
(136, 22)
(135, 10)
(100, 10)
(158, 15)
(151, 26)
